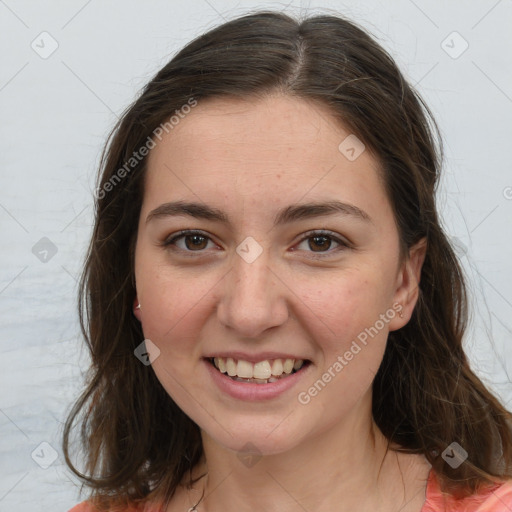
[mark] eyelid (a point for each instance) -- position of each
(171, 239)
(341, 241)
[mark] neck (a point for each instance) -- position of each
(344, 468)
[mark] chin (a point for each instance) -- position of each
(258, 436)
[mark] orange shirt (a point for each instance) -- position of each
(495, 499)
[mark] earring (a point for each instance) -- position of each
(137, 306)
(400, 314)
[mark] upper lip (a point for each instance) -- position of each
(254, 358)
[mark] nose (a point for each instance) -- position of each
(253, 298)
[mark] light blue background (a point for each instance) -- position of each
(57, 111)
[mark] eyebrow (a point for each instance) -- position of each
(291, 213)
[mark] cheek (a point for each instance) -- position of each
(170, 298)
(346, 326)
(348, 321)
(172, 316)
(345, 305)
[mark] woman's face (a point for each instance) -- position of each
(265, 278)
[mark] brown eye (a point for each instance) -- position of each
(196, 241)
(321, 243)
(192, 241)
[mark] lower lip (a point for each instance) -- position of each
(252, 391)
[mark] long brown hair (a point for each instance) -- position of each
(136, 440)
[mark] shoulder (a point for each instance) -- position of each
(496, 498)
(84, 507)
(87, 506)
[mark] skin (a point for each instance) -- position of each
(250, 159)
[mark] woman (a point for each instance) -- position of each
(266, 222)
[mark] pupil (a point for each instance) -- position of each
(324, 245)
(196, 240)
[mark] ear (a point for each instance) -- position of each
(136, 309)
(407, 285)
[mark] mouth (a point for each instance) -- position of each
(262, 372)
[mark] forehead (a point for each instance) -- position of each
(268, 149)
(281, 126)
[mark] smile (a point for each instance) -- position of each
(262, 372)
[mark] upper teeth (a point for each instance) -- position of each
(260, 370)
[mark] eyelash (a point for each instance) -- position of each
(171, 241)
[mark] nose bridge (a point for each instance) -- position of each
(251, 280)
(252, 298)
